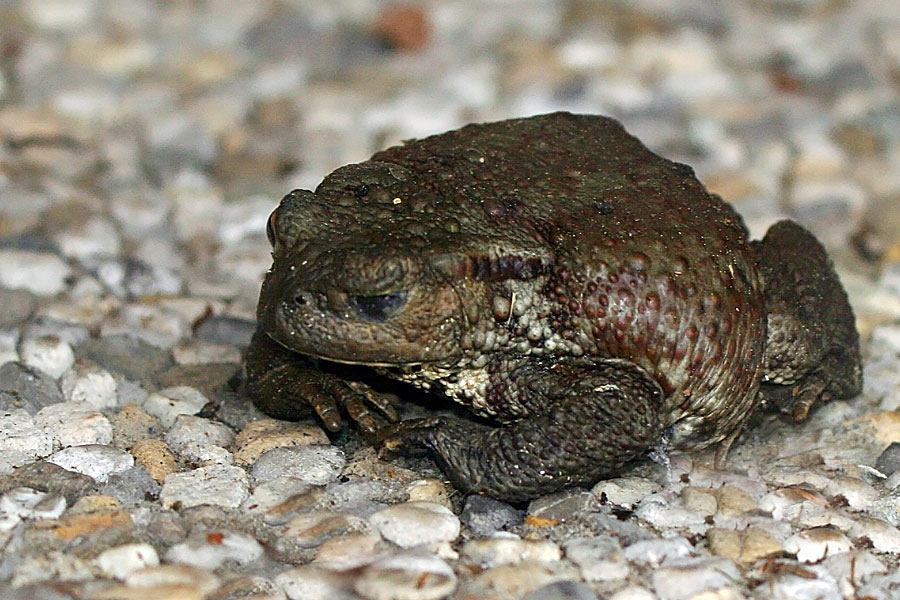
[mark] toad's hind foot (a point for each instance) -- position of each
(812, 346)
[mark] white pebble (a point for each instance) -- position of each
(28, 503)
(93, 460)
(38, 272)
(21, 440)
(598, 558)
(813, 545)
(197, 352)
(121, 561)
(686, 578)
(406, 577)
(314, 582)
(625, 491)
(213, 549)
(74, 424)
(205, 454)
(220, 485)
(509, 550)
(48, 353)
(167, 404)
(89, 384)
(415, 523)
(318, 464)
(191, 429)
(884, 536)
(657, 552)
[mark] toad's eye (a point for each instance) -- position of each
(270, 228)
(378, 308)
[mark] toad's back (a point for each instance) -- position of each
(647, 266)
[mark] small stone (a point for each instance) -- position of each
(508, 550)
(132, 424)
(121, 561)
(624, 491)
(317, 464)
(699, 501)
(126, 355)
(40, 273)
(520, 579)
(786, 476)
(415, 523)
(633, 592)
(598, 558)
(168, 403)
(311, 529)
(151, 323)
(733, 502)
(21, 440)
(883, 536)
(217, 485)
(314, 582)
(93, 460)
(212, 549)
(89, 384)
(189, 428)
(348, 551)
(34, 389)
(406, 577)
(563, 506)
(148, 578)
(263, 435)
(155, 456)
(688, 577)
(28, 503)
(485, 516)
(429, 490)
(277, 495)
(889, 460)
(204, 455)
(659, 551)
(744, 546)
(132, 486)
(404, 27)
(15, 307)
(74, 424)
(48, 354)
(858, 494)
(660, 510)
(813, 545)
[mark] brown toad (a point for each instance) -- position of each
(555, 276)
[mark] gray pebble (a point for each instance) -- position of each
(485, 516)
(190, 428)
(317, 464)
(32, 387)
(416, 523)
(563, 590)
(889, 460)
(48, 477)
(15, 306)
(226, 330)
(218, 485)
(74, 424)
(131, 486)
(127, 355)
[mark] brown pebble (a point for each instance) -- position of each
(155, 456)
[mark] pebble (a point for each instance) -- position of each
(519, 580)
(94, 460)
(311, 529)
(121, 561)
(625, 491)
(40, 273)
(659, 551)
(47, 477)
(212, 549)
(315, 582)
(889, 460)
(348, 551)
(315, 464)
(74, 424)
(485, 516)
(883, 536)
(406, 576)
(199, 352)
(265, 434)
(416, 523)
(201, 454)
(47, 353)
(89, 384)
(192, 429)
(150, 579)
(745, 546)
(34, 389)
(686, 578)
(598, 558)
(28, 503)
(155, 456)
(170, 402)
(563, 590)
(812, 545)
(132, 424)
(218, 485)
(133, 486)
(496, 551)
(21, 440)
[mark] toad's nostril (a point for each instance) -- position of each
(378, 308)
(300, 300)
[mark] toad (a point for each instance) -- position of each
(587, 297)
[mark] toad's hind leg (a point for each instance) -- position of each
(812, 346)
(595, 418)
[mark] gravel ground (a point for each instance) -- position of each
(143, 145)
